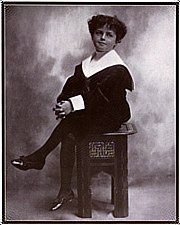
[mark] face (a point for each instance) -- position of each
(104, 39)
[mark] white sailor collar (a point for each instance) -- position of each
(109, 59)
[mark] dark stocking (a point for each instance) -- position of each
(61, 131)
(67, 158)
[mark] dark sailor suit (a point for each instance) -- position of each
(101, 93)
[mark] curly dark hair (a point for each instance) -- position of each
(112, 22)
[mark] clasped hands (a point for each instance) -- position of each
(62, 109)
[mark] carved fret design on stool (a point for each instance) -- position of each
(101, 149)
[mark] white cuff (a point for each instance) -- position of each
(77, 102)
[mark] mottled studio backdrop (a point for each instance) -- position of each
(42, 46)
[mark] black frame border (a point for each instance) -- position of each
(29, 3)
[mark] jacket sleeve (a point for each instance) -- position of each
(67, 90)
(72, 87)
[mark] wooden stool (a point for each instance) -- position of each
(109, 151)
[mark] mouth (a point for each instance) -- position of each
(101, 43)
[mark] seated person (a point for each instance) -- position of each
(93, 100)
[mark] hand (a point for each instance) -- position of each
(63, 109)
(66, 107)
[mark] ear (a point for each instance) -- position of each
(117, 42)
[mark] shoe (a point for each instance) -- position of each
(62, 200)
(23, 163)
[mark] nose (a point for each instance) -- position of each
(103, 36)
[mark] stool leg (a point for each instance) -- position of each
(83, 182)
(121, 184)
(112, 190)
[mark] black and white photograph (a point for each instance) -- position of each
(89, 112)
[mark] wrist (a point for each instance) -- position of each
(71, 105)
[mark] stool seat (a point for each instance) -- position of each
(125, 129)
(108, 151)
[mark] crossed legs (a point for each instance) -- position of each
(36, 160)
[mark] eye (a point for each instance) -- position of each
(98, 32)
(110, 34)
